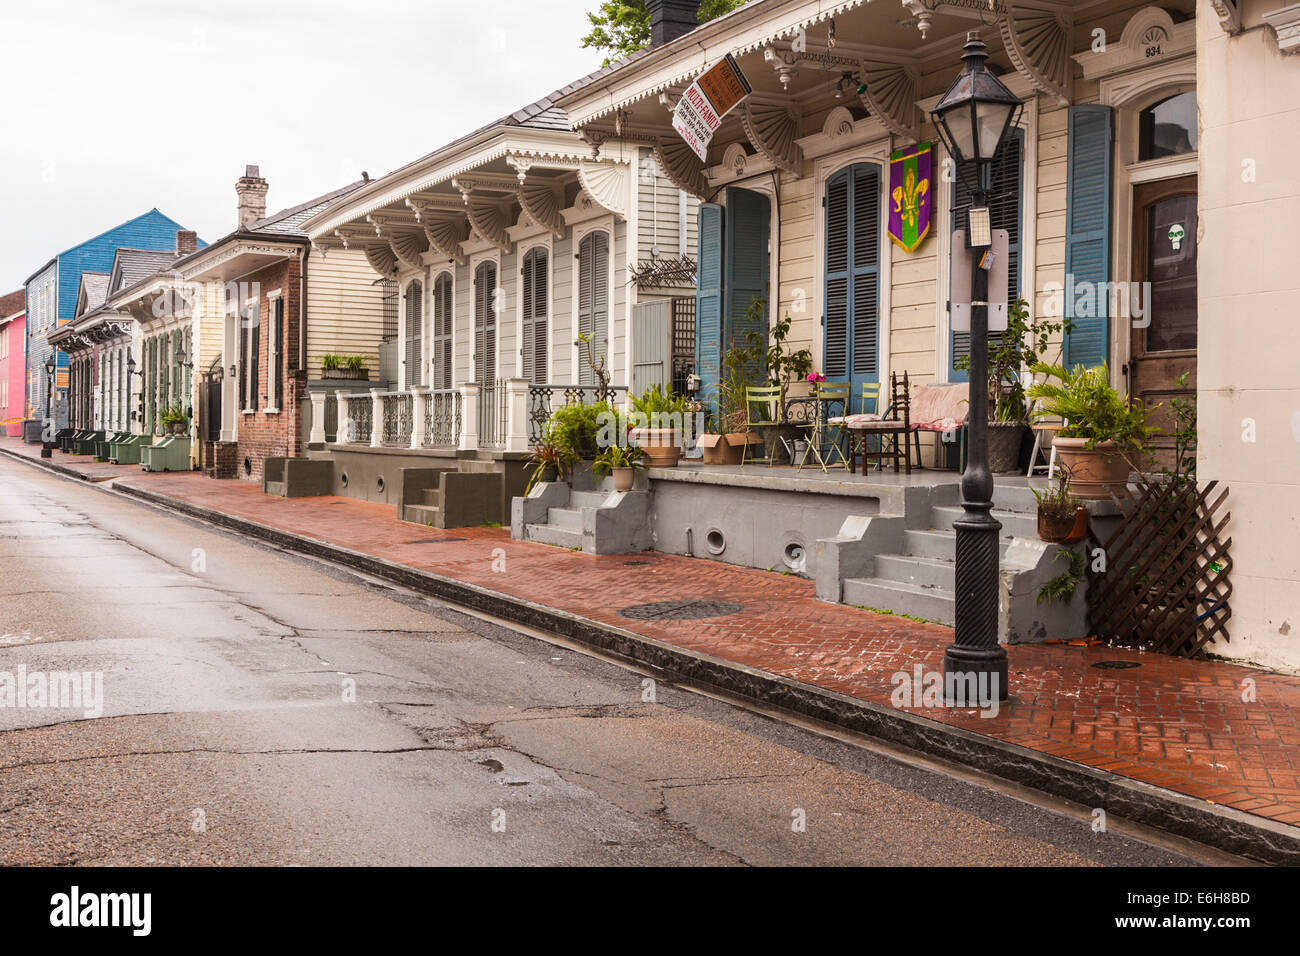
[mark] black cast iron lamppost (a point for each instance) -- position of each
(47, 433)
(972, 119)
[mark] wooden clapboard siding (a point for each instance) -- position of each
(659, 221)
(798, 295)
(345, 309)
(564, 329)
(619, 308)
(508, 315)
(211, 318)
(463, 322)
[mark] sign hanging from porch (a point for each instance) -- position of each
(910, 173)
(712, 96)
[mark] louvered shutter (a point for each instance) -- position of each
(745, 261)
(485, 325)
(1004, 200)
(534, 346)
(255, 357)
(1087, 239)
(708, 303)
(414, 334)
(277, 367)
(593, 303)
(836, 321)
(851, 349)
(441, 358)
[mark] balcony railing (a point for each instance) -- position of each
(398, 414)
(506, 414)
(441, 418)
(544, 399)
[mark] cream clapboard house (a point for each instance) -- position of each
(1156, 145)
(503, 248)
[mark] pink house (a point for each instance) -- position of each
(13, 314)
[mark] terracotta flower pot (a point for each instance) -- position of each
(662, 446)
(623, 478)
(1067, 529)
(1094, 473)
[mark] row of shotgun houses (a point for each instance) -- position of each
(1154, 138)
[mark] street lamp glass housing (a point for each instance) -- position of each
(974, 115)
(49, 365)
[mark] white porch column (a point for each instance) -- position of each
(229, 379)
(317, 435)
(417, 416)
(469, 417)
(344, 430)
(376, 417)
(517, 414)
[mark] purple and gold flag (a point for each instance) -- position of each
(910, 195)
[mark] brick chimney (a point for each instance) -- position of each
(251, 190)
(187, 242)
(670, 19)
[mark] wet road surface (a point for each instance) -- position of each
(260, 708)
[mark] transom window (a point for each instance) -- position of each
(1168, 128)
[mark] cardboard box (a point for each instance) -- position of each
(726, 449)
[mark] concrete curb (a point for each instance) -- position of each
(1224, 828)
(52, 466)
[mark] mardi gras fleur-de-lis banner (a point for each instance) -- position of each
(910, 195)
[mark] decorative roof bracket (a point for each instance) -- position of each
(772, 127)
(1039, 44)
(890, 95)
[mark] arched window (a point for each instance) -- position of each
(1168, 128)
(593, 303)
(414, 305)
(535, 309)
(485, 322)
(442, 324)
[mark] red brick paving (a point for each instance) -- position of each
(1173, 723)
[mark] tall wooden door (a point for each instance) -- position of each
(1163, 346)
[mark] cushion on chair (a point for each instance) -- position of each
(852, 421)
(948, 425)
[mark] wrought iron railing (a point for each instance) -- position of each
(397, 412)
(492, 410)
(542, 400)
(356, 416)
(442, 418)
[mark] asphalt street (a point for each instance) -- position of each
(261, 708)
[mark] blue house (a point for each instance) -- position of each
(52, 299)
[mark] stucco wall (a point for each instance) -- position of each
(1248, 374)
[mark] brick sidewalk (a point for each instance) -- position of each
(1173, 723)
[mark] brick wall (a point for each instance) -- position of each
(265, 434)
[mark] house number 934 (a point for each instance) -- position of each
(1153, 51)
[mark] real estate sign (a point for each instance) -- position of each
(712, 96)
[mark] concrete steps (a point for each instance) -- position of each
(920, 581)
(424, 514)
(551, 534)
(563, 525)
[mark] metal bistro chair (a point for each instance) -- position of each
(768, 399)
(824, 431)
(870, 413)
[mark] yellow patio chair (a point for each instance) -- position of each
(766, 400)
(825, 429)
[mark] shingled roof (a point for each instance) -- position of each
(135, 265)
(12, 303)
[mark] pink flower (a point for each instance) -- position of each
(816, 377)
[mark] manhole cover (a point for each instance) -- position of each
(634, 564)
(679, 610)
(1116, 665)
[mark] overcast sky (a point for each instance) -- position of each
(116, 106)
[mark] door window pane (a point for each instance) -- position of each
(1171, 268)
(1168, 128)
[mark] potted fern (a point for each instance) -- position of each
(664, 415)
(1106, 431)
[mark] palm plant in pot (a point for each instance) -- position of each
(174, 420)
(1106, 432)
(621, 461)
(660, 418)
(1021, 346)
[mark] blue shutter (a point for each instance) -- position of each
(745, 261)
(1005, 200)
(708, 304)
(852, 310)
(1087, 231)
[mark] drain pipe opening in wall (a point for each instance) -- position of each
(690, 542)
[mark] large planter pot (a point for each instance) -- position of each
(1096, 473)
(177, 428)
(1004, 440)
(347, 374)
(662, 446)
(623, 478)
(1069, 529)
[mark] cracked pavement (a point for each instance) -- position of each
(260, 708)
